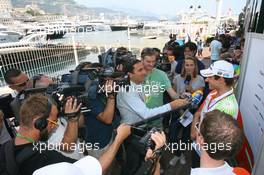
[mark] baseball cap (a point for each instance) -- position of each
(220, 68)
(85, 166)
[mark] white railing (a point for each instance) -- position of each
(34, 58)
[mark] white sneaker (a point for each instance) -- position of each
(182, 159)
(174, 160)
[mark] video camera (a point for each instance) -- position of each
(109, 66)
(147, 141)
(60, 92)
(113, 58)
(163, 63)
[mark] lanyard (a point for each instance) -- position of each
(211, 106)
(25, 138)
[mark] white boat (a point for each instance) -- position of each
(52, 31)
(33, 38)
(150, 37)
(7, 36)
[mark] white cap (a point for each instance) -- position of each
(85, 166)
(220, 68)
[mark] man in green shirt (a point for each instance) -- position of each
(156, 81)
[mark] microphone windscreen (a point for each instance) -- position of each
(188, 79)
(197, 97)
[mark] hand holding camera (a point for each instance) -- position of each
(158, 139)
(109, 87)
(72, 109)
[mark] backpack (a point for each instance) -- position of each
(9, 162)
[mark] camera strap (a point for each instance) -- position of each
(139, 128)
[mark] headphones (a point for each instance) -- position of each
(41, 123)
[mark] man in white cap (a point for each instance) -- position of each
(220, 77)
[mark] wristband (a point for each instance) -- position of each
(110, 93)
(72, 116)
(111, 97)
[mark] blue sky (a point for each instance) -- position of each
(165, 7)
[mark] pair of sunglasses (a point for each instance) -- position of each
(36, 78)
(21, 84)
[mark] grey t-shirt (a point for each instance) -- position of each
(4, 135)
(196, 83)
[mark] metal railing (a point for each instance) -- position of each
(34, 58)
(53, 57)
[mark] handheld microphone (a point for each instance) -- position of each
(188, 79)
(196, 98)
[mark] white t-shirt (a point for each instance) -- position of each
(215, 47)
(57, 136)
(222, 170)
(85, 166)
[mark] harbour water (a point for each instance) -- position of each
(115, 39)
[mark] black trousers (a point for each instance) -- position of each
(135, 154)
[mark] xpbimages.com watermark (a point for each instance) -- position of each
(81, 147)
(212, 147)
(61, 29)
(146, 89)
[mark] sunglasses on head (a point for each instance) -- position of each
(21, 84)
(36, 78)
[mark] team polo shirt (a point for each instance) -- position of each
(226, 103)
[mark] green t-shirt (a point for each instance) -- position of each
(155, 85)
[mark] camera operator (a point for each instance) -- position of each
(172, 42)
(38, 118)
(102, 119)
(17, 81)
(40, 81)
(132, 103)
(83, 65)
(66, 132)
